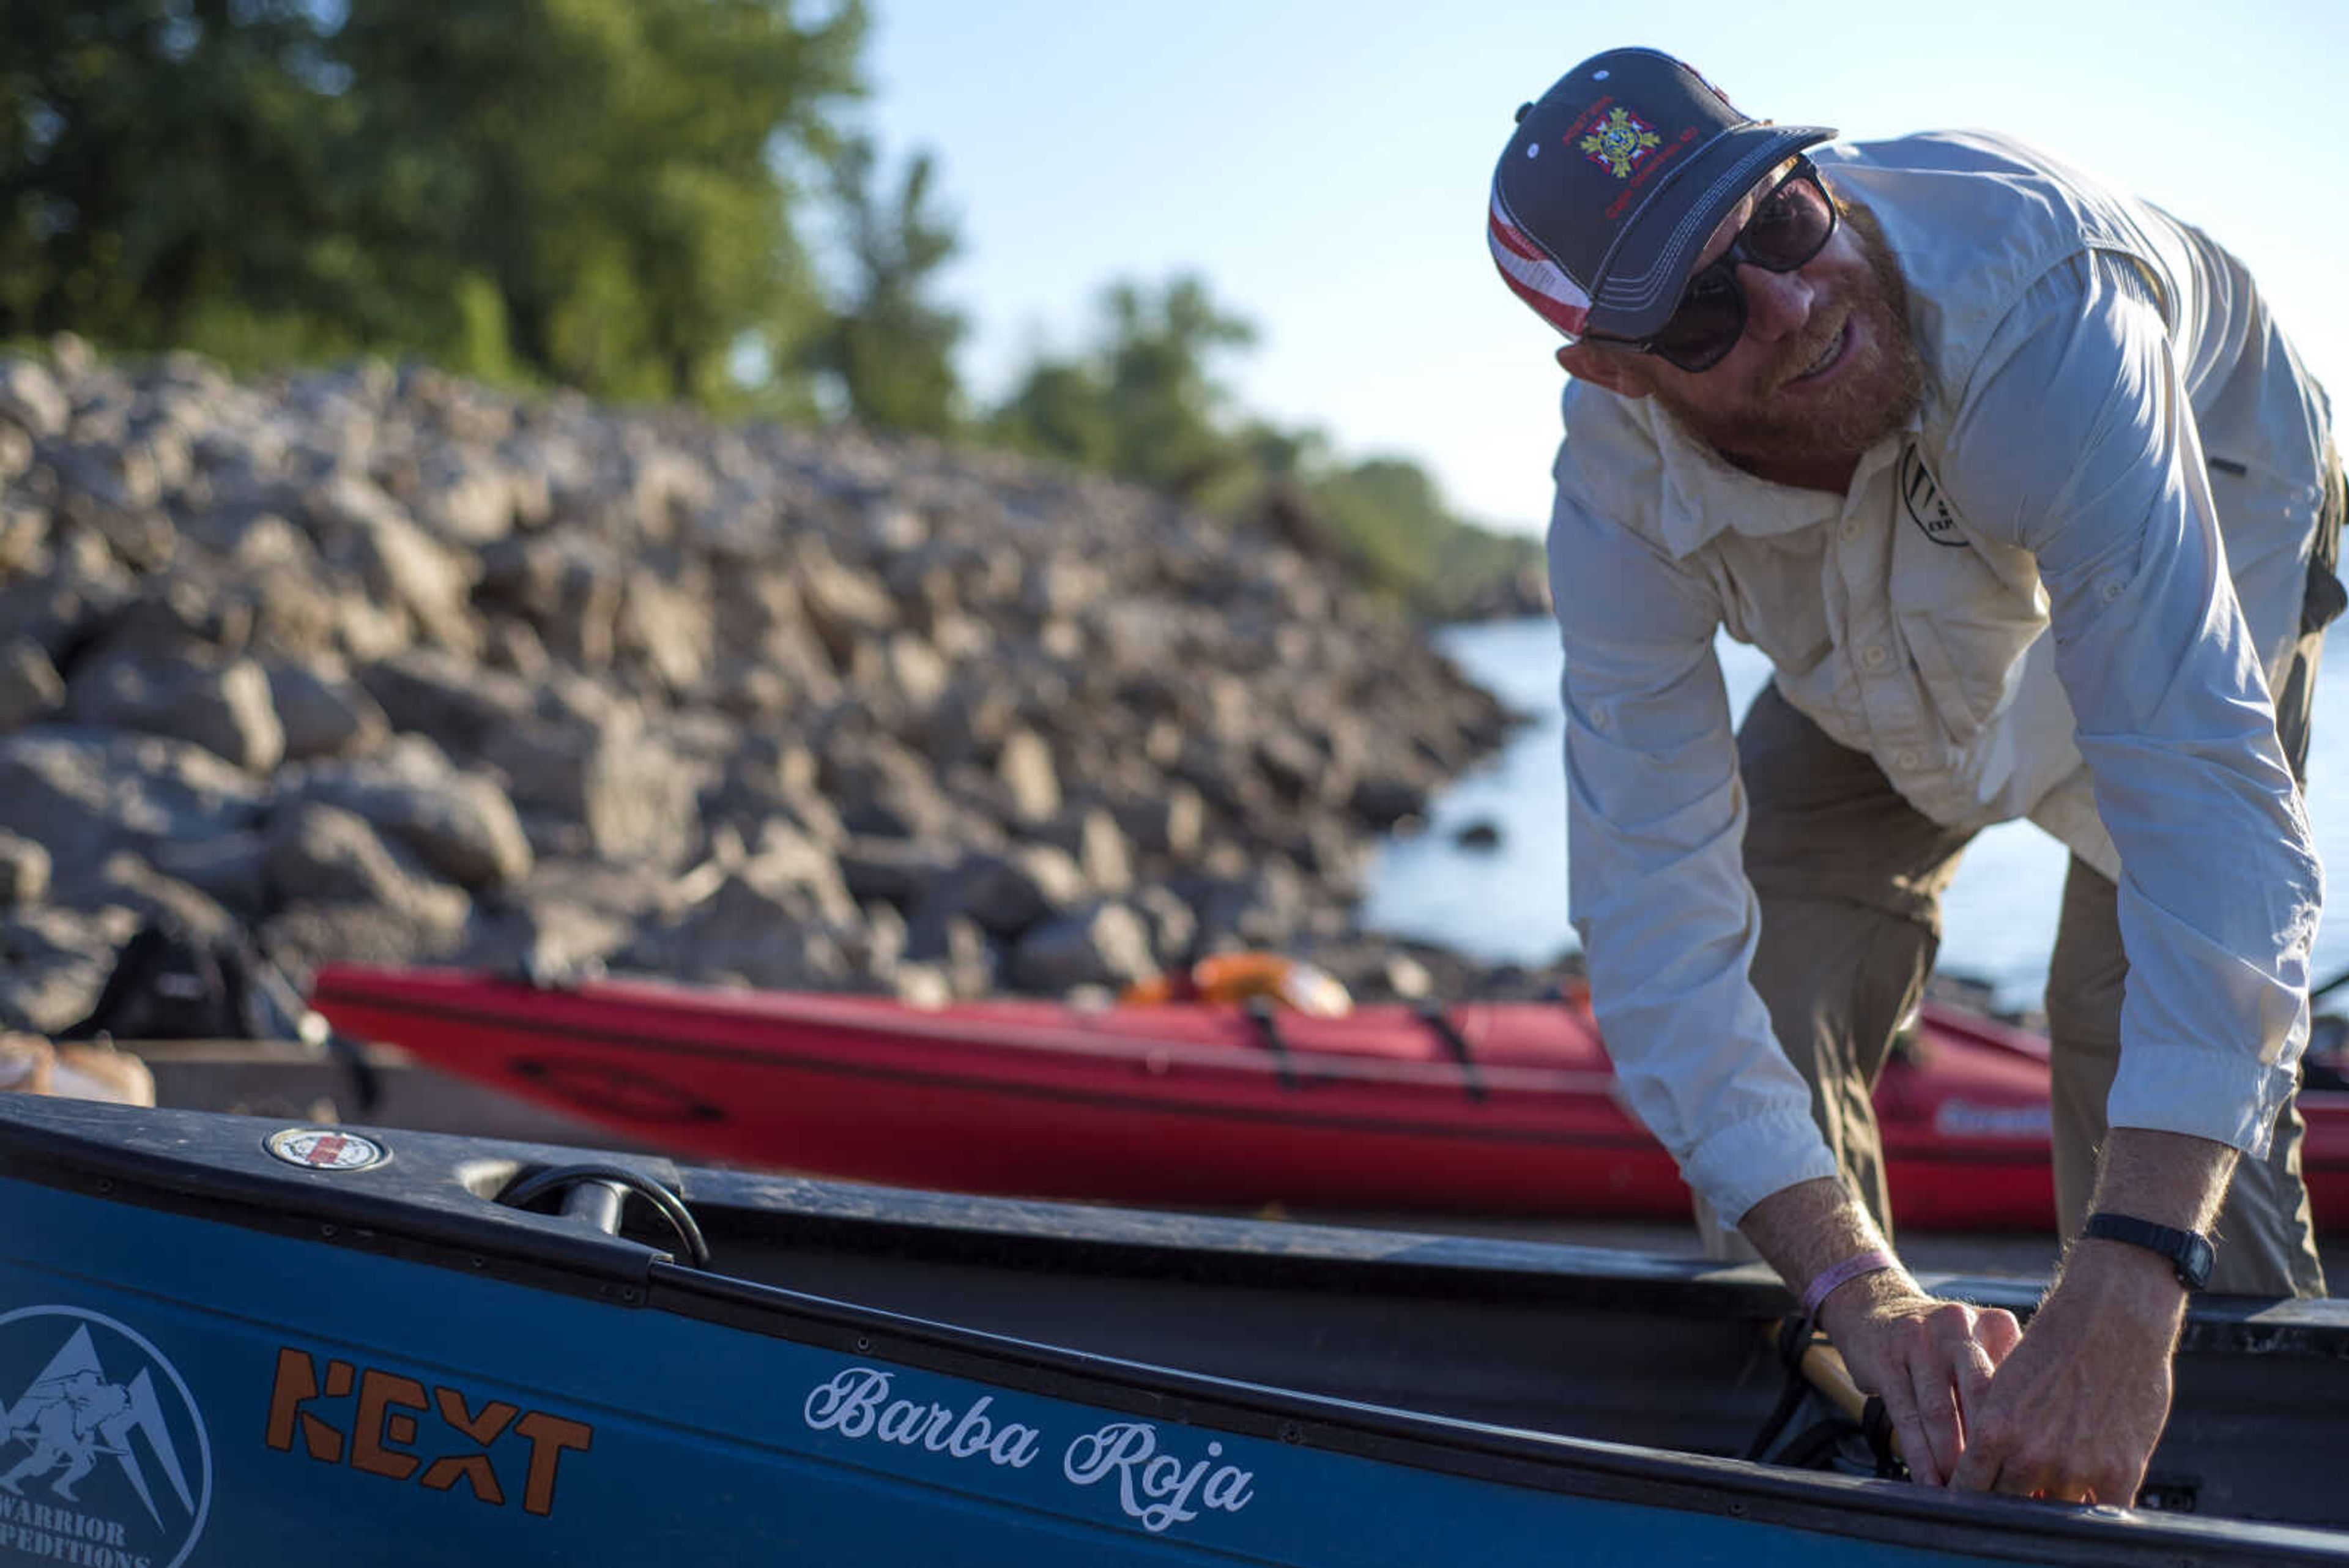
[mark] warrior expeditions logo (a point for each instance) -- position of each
(1921, 498)
(104, 1461)
(1620, 141)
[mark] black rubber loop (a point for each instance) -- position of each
(1260, 1012)
(527, 1189)
(1875, 1425)
(1455, 1046)
(1793, 1338)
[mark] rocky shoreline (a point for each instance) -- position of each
(377, 664)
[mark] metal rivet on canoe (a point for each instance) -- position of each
(326, 1230)
(1290, 1432)
(862, 1344)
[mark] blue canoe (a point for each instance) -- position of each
(229, 1341)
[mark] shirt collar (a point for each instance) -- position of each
(1703, 494)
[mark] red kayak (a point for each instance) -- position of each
(1492, 1108)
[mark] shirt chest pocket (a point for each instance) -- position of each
(1967, 626)
(1770, 598)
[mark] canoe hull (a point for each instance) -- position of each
(426, 1378)
(1188, 1105)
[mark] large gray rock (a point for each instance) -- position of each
(775, 937)
(460, 825)
(31, 399)
(31, 689)
(567, 587)
(1109, 944)
(323, 717)
(24, 870)
(1003, 895)
(458, 704)
(317, 854)
(84, 794)
(227, 710)
(54, 962)
(403, 564)
(636, 798)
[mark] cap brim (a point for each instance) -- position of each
(1651, 263)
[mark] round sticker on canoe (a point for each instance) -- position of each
(327, 1148)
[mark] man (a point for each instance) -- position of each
(2033, 509)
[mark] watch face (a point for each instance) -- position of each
(2194, 1261)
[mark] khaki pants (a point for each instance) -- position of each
(1850, 876)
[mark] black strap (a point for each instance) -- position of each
(1455, 1046)
(1876, 1426)
(2189, 1252)
(1260, 1012)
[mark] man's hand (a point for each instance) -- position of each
(2074, 1413)
(1929, 1359)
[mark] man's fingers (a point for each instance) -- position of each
(1933, 1448)
(1978, 1467)
(1998, 1333)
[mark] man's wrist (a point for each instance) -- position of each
(1835, 1276)
(2187, 1251)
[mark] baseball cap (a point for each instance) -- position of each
(1611, 184)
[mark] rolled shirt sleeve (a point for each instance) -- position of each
(1656, 822)
(2075, 440)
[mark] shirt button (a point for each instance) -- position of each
(2110, 592)
(1874, 656)
(1906, 758)
(1599, 718)
(1851, 528)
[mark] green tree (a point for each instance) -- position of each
(590, 192)
(889, 346)
(612, 169)
(160, 157)
(1143, 402)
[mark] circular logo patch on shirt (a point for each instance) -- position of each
(1921, 498)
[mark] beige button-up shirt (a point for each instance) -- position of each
(2059, 593)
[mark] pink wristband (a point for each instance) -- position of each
(1874, 1260)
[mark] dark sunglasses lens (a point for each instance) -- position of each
(1790, 228)
(1706, 326)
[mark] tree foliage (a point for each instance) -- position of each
(584, 191)
(1145, 401)
(890, 346)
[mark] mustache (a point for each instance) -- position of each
(1802, 356)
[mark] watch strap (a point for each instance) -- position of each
(2189, 1252)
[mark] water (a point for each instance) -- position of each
(1508, 903)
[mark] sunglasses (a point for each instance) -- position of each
(1792, 224)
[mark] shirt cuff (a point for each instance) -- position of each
(2227, 1098)
(1744, 1163)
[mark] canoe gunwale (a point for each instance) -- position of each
(1894, 1512)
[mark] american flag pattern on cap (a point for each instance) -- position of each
(1532, 276)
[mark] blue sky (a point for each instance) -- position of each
(1324, 166)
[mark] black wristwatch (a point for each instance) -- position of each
(2189, 1252)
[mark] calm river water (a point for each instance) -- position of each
(1508, 903)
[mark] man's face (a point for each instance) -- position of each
(1825, 369)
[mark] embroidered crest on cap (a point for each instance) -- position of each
(1619, 142)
